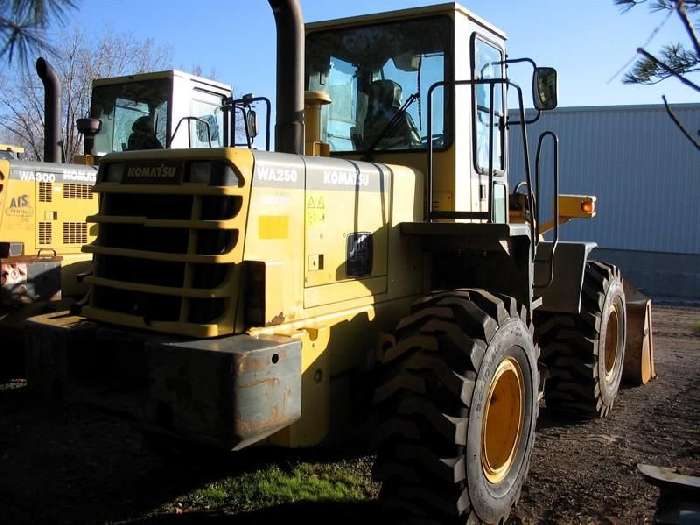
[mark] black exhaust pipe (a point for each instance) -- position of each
(52, 111)
(289, 125)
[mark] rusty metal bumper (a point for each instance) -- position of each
(228, 392)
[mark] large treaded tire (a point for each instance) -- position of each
(435, 378)
(583, 375)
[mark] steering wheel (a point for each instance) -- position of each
(518, 186)
(519, 199)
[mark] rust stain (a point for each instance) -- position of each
(247, 427)
(260, 362)
(269, 381)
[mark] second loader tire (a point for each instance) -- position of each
(457, 402)
(584, 352)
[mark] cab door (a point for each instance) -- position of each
(489, 137)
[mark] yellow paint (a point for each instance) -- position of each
(31, 210)
(502, 420)
(273, 226)
(313, 101)
(315, 209)
(313, 426)
(230, 289)
(572, 207)
(86, 160)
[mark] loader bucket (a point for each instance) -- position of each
(639, 349)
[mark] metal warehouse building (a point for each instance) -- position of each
(646, 176)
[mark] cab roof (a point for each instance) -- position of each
(155, 75)
(405, 14)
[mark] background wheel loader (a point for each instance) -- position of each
(44, 205)
(238, 295)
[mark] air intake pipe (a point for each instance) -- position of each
(52, 111)
(289, 124)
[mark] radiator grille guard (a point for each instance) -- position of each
(169, 248)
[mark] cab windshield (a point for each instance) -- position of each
(134, 115)
(370, 73)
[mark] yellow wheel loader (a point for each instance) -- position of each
(242, 296)
(43, 205)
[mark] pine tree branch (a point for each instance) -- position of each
(679, 125)
(667, 69)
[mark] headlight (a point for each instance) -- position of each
(213, 173)
(114, 173)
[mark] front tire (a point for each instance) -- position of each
(584, 352)
(458, 402)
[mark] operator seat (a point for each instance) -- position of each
(384, 103)
(143, 135)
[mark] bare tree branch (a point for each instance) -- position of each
(79, 60)
(679, 125)
(685, 20)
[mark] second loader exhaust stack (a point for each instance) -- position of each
(289, 125)
(52, 111)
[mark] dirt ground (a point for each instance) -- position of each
(74, 464)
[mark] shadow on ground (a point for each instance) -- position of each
(74, 464)
(311, 512)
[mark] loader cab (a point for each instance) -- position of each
(391, 81)
(165, 109)
(8, 152)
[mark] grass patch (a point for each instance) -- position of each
(276, 484)
(696, 327)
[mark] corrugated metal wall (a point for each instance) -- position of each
(643, 170)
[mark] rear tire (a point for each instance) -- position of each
(458, 406)
(584, 352)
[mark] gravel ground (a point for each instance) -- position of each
(74, 464)
(584, 473)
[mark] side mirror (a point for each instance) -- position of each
(544, 88)
(251, 123)
(88, 126)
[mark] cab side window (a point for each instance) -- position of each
(487, 63)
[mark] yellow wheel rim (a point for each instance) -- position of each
(611, 337)
(502, 423)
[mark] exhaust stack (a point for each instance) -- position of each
(52, 111)
(289, 124)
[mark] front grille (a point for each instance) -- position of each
(74, 233)
(133, 270)
(148, 206)
(139, 237)
(220, 208)
(158, 256)
(77, 191)
(44, 233)
(209, 275)
(45, 191)
(149, 306)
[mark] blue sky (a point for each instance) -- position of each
(586, 40)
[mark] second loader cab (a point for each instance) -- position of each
(164, 109)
